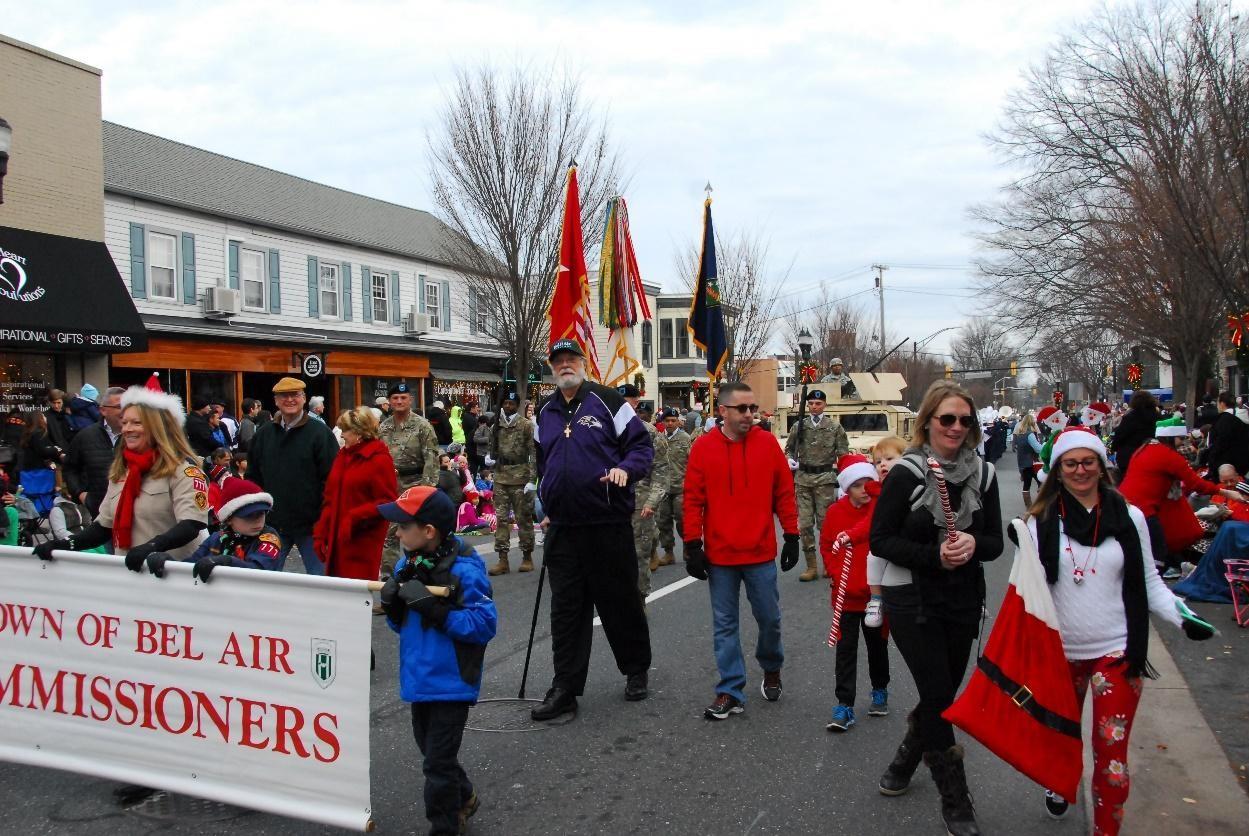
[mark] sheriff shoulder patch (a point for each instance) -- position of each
(269, 537)
(194, 472)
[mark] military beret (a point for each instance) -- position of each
(816, 395)
(628, 390)
(399, 389)
(670, 412)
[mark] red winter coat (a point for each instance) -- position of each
(349, 534)
(1155, 467)
(732, 491)
(843, 516)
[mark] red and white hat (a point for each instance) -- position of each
(1077, 438)
(1053, 417)
(1095, 413)
(244, 497)
(156, 400)
(851, 468)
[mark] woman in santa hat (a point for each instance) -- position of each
(1094, 547)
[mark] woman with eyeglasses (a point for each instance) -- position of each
(933, 587)
(1094, 547)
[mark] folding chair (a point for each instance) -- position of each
(39, 490)
(1237, 575)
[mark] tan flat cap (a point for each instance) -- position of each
(289, 384)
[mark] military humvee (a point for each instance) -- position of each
(872, 415)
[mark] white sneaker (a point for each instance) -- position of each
(872, 616)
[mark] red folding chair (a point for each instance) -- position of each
(1237, 575)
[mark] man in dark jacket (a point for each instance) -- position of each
(592, 449)
(441, 422)
(1229, 438)
(1135, 428)
(199, 431)
(290, 458)
(91, 454)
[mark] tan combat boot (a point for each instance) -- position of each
(655, 564)
(500, 568)
(811, 573)
(526, 562)
(668, 559)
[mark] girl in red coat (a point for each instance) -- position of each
(350, 532)
(848, 521)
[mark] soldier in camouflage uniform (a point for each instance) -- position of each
(414, 447)
(813, 449)
(837, 374)
(649, 492)
(669, 515)
(515, 466)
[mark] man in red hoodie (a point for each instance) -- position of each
(736, 481)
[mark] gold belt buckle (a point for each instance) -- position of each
(1027, 695)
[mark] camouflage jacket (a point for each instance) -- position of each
(821, 446)
(515, 461)
(414, 447)
(678, 454)
(651, 490)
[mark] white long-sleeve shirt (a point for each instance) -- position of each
(1091, 617)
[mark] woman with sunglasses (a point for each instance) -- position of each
(933, 586)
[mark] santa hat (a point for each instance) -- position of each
(153, 382)
(162, 401)
(1095, 413)
(1078, 438)
(1052, 417)
(851, 468)
(1172, 427)
(244, 497)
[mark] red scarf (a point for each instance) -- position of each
(137, 466)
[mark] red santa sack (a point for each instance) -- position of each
(1020, 703)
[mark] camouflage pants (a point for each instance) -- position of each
(667, 516)
(644, 541)
(511, 500)
(813, 501)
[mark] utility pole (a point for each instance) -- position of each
(880, 289)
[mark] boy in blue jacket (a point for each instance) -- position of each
(438, 601)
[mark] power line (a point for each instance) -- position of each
(820, 305)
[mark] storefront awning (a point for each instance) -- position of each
(64, 294)
(457, 374)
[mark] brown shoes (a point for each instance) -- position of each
(526, 563)
(668, 559)
(501, 567)
(807, 575)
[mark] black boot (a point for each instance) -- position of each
(559, 701)
(951, 781)
(897, 777)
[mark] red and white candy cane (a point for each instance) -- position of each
(944, 492)
(839, 600)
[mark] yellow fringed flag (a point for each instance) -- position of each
(622, 299)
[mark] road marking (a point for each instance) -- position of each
(659, 593)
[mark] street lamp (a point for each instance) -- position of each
(805, 340)
(6, 142)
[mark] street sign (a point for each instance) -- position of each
(976, 375)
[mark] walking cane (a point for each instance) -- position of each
(533, 627)
(839, 601)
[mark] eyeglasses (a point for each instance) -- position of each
(964, 421)
(1072, 465)
(743, 408)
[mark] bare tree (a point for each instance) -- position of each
(981, 345)
(498, 162)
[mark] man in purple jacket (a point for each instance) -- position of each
(592, 448)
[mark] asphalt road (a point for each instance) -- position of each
(618, 767)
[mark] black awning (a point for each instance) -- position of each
(64, 294)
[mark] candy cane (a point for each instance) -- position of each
(839, 600)
(942, 491)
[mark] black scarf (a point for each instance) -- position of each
(1081, 525)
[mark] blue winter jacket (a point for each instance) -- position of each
(578, 441)
(428, 667)
(264, 551)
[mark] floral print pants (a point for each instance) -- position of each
(1115, 697)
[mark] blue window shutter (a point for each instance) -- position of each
(275, 282)
(420, 293)
(472, 312)
(445, 298)
(395, 316)
(346, 280)
(188, 268)
(138, 261)
(366, 293)
(314, 287)
(234, 264)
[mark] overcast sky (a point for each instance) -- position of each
(847, 135)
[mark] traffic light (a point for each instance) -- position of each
(1014, 368)
(949, 372)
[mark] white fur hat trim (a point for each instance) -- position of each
(156, 400)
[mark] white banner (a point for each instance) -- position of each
(252, 689)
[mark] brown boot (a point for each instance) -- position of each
(501, 568)
(668, 559)
(654, 559)
(526, 562)
(811, 572)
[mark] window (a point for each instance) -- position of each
(682, 337)
(163, 265)
(432, 309)
(481, 309)
(381, 308)
(329, 289)
(665, 339)
(252, 278)
(647, 342)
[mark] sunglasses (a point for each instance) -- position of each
(743, 408)
(964, 421)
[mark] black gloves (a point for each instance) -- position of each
(416, 596)
(789, 552)
(394, 607)
(695, 560)
(156, 563)
(137, 556)
(204, 567)
(1196, 632)
(43, 551)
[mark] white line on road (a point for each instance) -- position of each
(658, 593)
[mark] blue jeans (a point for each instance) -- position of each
(765, 602)
(312, 563)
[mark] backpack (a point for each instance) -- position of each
(481, 435)
(917, 464)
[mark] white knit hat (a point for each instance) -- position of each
(1077, 438)
(163, 401)
(851, 468)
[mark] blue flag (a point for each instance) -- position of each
(706, 316)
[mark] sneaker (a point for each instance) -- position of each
(770, 687)
(1186, 569)
(1171, 574)
(872, 616)
(1055, 805)
(843, 719)
(722, 707)
(880, 703)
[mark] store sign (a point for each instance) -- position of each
(312, 365)
(13, 282)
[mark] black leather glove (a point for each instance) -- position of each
(43, 551)
(203, 569)
(695, 560)
(156, 563)
(1195, 631)
(416, 596)
(789, 552)
(137, 556)
(395, 608)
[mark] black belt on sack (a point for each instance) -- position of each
(1021, 695)
(817, 468)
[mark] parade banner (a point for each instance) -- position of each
(252, 689)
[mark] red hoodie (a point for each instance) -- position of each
(843, 516)
(732, 491)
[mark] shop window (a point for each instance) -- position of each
(252, 276)
(647, 349)
(162, 265)
(665, 339)
(25, 380)
(329, 289)
(381, 305)
(682, 337)
(433, 308)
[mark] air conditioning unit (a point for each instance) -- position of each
(222, 302)
(415, 323)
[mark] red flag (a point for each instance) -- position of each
(569, 311)
(1020, 702)
(153, 383)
